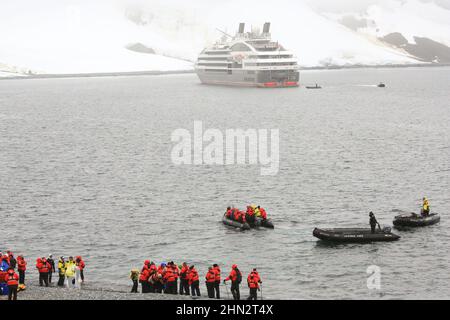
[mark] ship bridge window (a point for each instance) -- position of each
(240, 47)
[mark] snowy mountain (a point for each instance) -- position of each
(421, 28)
(136, 35)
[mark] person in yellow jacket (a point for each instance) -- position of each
(256, 210)
(61, 271)
(70, 272)
(425, 207)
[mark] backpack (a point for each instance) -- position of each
(238, 276)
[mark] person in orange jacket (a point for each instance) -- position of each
(80, 263)
(21, 267)
(12, 281)
(217, 283)
(253, 281)
(184, 282)
(236, 278)
(170, 278)
(263, 213)
(194, 281)
(176, 273)
(229, 213)
(143, 277)
(159, 278)
(43, 267)
(152, 269)
(239, 216)
(210, 282)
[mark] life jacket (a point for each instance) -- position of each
(235, 214)
(211, 276)
(144, 274)
(21, 264)
(257, 212)
(235, 275)
(184, 272)
(217, 272)
(70, 268)
(426, 205)
(263, 213)
(193, 275)
(170, 276)
(256, 275)
(228, 213)
(61, 267)
(44, 266)
(176, 271)
(81, 264)
(253, 281)
(250, 211)
(242, 217)
(12, 279)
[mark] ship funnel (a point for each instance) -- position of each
(266, 28)
(241, 27)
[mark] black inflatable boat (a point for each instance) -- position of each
(415, 220)
(359, 235)
(257, 223)
(262, 223)
(236, 224)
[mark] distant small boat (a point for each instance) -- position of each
(314, 87)
(381, 85)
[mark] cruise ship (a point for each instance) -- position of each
(248, 59)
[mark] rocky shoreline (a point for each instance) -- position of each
(89, 291)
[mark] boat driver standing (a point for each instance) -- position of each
(373, 222)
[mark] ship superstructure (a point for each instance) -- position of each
(248, 59)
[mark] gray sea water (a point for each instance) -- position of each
(85, 169)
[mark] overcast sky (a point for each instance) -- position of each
(358, 5)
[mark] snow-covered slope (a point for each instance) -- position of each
(84, 36)
(92, 36)
(411, 18)
(316, 40)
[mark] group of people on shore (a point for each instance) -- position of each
(249, 215)
(70, 272)
(8, 275)
(164, 279)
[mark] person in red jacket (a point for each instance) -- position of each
(80, 263)
(263, 213)
(21, 267)
(170, 278)
(159, 278)
(12, 280)
(194, 281)
(217, 283)
(229, 213)
(239, 216)
(184, 282)
(43, 267)
(176, 275)
(236, 278)
(253, 281)
(210, 282)
(143, 277)
(152, 270)
(250, 214)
